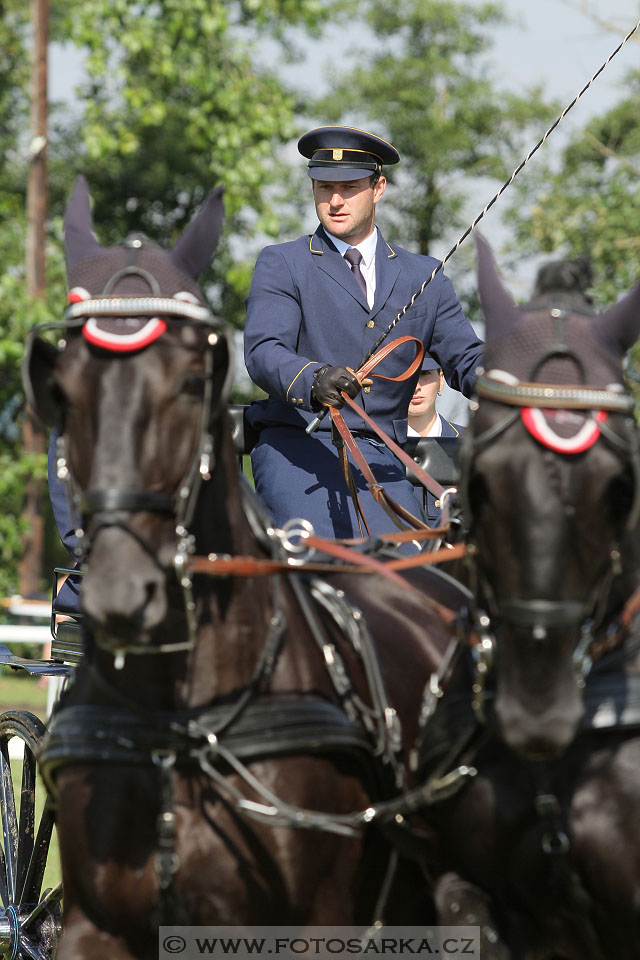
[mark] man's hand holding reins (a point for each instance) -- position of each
(330, 382)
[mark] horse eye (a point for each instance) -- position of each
(193, 384)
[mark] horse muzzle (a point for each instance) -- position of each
(128, 598)
(538, 702)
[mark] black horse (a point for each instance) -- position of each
(540, 719)
(215, 758)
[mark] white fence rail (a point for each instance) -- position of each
(34, 634)
(21, 633)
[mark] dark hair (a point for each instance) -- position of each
(563, 284)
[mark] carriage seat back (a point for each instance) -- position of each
(436, 456)
(66, 645)
(244, 435)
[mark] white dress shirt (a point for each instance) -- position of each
(435, 431)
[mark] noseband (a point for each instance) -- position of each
(108, 506)
(540, 616)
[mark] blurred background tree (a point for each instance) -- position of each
(426, 82)
(587, 203)
(172, 104)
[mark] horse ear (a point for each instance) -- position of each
(499, 308)
(197, 244)
(618, 328)
(37, 379)
(79, 240)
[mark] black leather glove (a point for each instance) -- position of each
(328, 381)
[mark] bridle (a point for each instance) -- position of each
(108, 505)
(538, 616)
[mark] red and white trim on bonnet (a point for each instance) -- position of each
(98, 332)
(563, 431)
(78, 294)
(123, 342)
(539, 424)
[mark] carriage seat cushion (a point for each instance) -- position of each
(436, 456)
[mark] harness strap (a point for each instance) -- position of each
(378, 493)
(342, 443)
(630, 609)
(240, 566)
(90, 734)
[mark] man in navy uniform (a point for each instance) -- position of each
(316, 306)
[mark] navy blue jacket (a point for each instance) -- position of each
(305, 309)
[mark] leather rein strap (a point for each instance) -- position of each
(398, 514)
(352, 562)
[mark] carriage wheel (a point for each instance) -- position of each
(31, 920)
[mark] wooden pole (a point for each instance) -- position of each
(30, 570)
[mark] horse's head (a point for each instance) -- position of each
(550, 482)
(134, 387)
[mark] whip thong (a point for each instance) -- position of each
(383, 336)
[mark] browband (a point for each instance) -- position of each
(138, 307)
(522, 394)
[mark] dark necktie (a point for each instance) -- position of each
(354, 259)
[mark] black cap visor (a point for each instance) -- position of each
(330, 170)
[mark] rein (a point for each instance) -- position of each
(397, 514)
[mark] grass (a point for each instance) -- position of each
(18, 691)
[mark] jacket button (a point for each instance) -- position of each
(370, 323)
(367, 389)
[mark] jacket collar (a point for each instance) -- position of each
(331, 262)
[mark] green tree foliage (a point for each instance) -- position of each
(589, 204)
(15, 467)
(428, 88)
(175, 104)
(172, 104)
